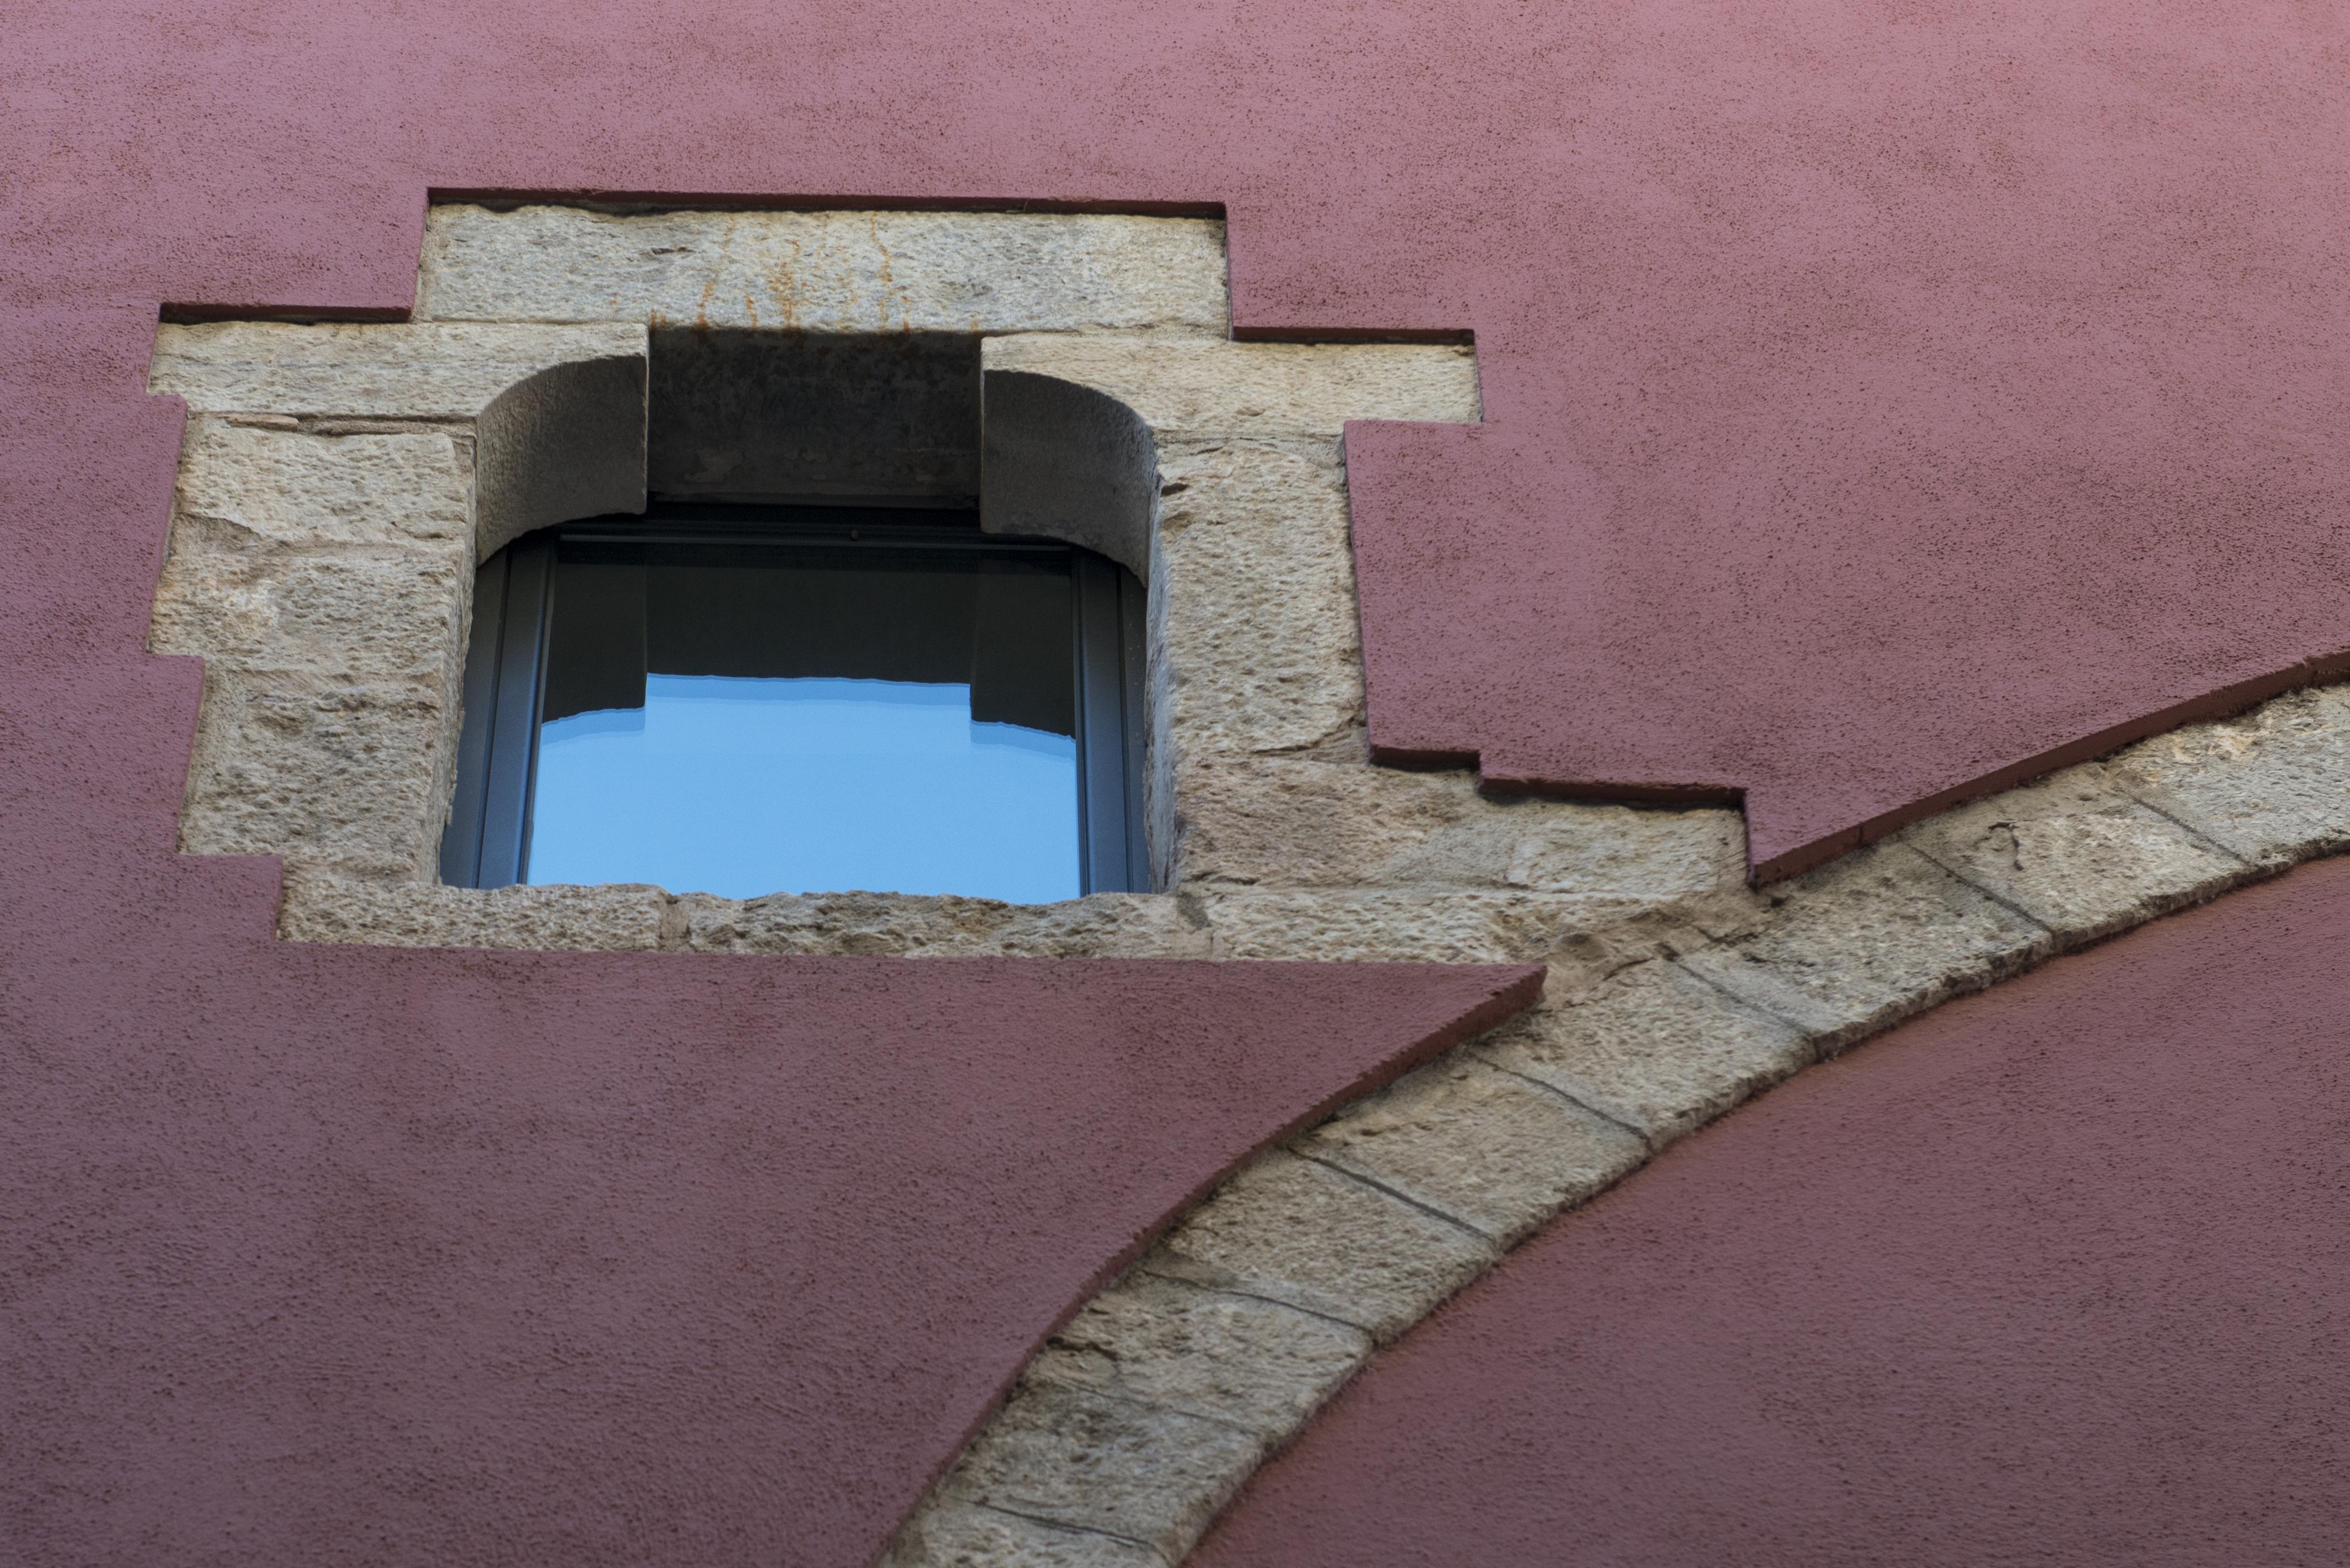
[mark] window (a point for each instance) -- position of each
(749, 700)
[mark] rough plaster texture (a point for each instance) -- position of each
(1652, 1024)
(330, 1252)
(1674, 991)
(2054, 1275)
(1882, 402)
(1965, 366)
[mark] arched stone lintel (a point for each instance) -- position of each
(566, 441)
(1065, 462)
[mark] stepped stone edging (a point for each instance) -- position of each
(1142, 1417)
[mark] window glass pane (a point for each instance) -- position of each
(741, 719)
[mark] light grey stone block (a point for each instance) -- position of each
(2077, 855)
(1877, 936)
(1122, 925)
(1492, 1150)
(950, 1533)
(1070, 1455)
(1653, 1047)
(320, 769)
(2271, 786)
(1404, 925)
(1296, 1232)
(419, 370)
(829, 271)
(1195, 389)
(1252, 1363)
(1301, 821)
(1259, 642)
(288, 488)
(322, 908)
(354, 611)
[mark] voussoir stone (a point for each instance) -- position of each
(1252, 1363)
(951, 1532)
(1869, 939)
(1297, 1231)
(2079, 856)
(1653, 1047)
(1495, 1151)
(827, 271)
(418, 369)
(2268, 785)
(1071, 1455)
(1193, 387)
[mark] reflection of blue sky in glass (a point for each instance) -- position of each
(741, 786)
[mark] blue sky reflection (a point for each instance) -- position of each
(742, 787)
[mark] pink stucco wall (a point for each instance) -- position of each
(1879, 398)
(2057, 1274)
(1882, 398)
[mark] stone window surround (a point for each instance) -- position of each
(1675, 991)
(337, 481)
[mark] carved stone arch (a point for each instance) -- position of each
(563, 443)
(1065, 461)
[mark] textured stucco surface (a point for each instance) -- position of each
(1878, 400)
(1650, 1026)
(1873, 399)
(339, 1254)
(2056, 1274)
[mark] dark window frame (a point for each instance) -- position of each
(487, 839)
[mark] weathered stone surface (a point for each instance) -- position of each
(2269, 786)
(1304, 822)
(1296, 1232)
(358, 610)
(949, 1533)
(1074, 1457)
(290, 488)
(322, 908)
(2076, 853)
(1102, 925)
(1259, 650)
(1402, 925)
(1873, 937)
(1252, 1363)
(319, 769)
(1492, 1150)
(407, 370)
(828, 272)
(1197, 388)
(1653, 1047)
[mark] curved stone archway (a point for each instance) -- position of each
(336, 482)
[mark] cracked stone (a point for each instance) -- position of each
(1492, 1150)
(1653, 1047)
(2080, 856)
(1299, 1232)
(1869, 939)
(1078, 1458)
(1208, 1353)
